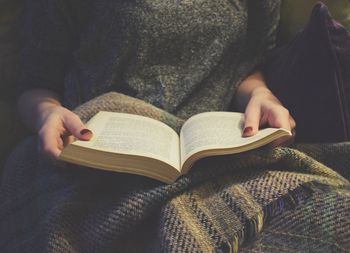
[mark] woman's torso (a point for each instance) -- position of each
(184, 56)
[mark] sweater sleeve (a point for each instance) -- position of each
(49, 39)
(263, 21)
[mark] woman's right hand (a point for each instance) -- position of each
(58, 127)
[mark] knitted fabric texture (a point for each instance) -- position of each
(185, 57)
(294, 199)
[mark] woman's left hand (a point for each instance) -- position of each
(264, 109)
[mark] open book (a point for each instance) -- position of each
(144, 146)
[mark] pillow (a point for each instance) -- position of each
(295, 14)
(311, 77)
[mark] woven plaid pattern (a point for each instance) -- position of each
(267, 200)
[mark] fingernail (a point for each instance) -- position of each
(247, 130)
(85, 131)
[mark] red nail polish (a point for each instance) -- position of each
(85, 131)
(247, 130)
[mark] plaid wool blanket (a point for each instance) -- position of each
(285, 199)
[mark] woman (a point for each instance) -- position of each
(51, 121)
(183, 57)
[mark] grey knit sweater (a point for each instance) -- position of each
(184, 56)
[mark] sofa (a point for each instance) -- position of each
(294, 14)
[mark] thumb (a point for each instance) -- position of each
(76, 127)
(251, 120)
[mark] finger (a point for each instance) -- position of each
(286, 140)
(280, 119)
(74, 125)
(292, 122)
(49, 140)
(251, 120)
(68, 140)
(60, 143)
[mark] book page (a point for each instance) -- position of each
(134, 135)
(215, 130)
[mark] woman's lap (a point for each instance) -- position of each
(228, 202)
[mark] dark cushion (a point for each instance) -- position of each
(295, 14)
(10, 11)
(311, 77)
